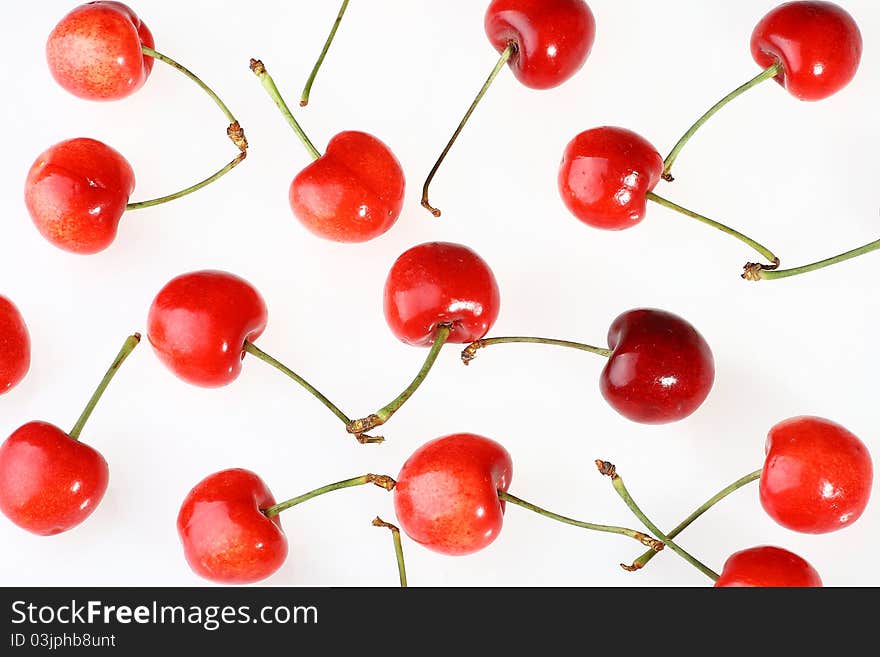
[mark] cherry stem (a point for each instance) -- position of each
(642, 538)
(129, 345)
(381, 416)
(609, 470)
(506, 54)
(189, 190)
(234, 131)
(753, 272)
(684, 524)
(470, 352)
(268, 83)
(398, 547)
(254, 350)
(763, 250)
(382, 481)
(766, 74)
(304, 99)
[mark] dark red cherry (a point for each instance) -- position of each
(95, 51)
(76, 192)
(818, 43)
(817, 475)
(605, 176)
(661, 369)
(767, 566)
(440, 283)
(199, 322)
(553, 38)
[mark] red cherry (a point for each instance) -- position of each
(767, 566)
(76, 192)
(818, 44)
(817, 475)
(661, 368)
(49, 482)
(352, 193)
(553, 38)
(446, 496)
(15, 346)
(605, 176)
(225, 534)
(95, 51)
(440, 283)
(199, 322)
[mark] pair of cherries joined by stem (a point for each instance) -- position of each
(50, 481)
(608, 174)
(77, 190)
(450, 497)
(15, 346)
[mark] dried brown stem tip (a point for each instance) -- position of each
(378, 522)
(382, 481)
(606, 468)
(364, 439)
(361, 426)
(257, 66)
(236, 134)
(668, 178)
(631, 569)
(470, 352)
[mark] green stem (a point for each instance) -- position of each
(398, 547)
(189, 190)
(268, 83)
(127, 348)
(608, 469)
(381, 416)
(763, 250)
(254, 350)
(754, 273)
(610, 529)
(684, 524)
(766, 74)
(383, 481)
(506, 54)
(304, 99)
(470, 352)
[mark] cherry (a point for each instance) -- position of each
(447, 493)
(440, 283)
(202, 323)
(230, 529)
(545, 42)
(818, 45)
(767, 566)
(351, 193)
(811, 48)
(660, 368)
(49, 481)
(225, 533)
(76, 192)
(95, 51)
(435, 293)
(608, 174)
(552, 39)
(816, 477)
(15, 346)
(605, 176)
(199, 323)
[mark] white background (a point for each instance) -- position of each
(799, 177)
